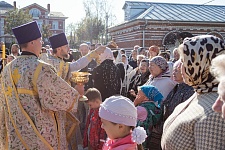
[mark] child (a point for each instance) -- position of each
(94, 135)
(119, 118)
(148, 101)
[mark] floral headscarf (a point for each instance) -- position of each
(197, 53)
(160, 62)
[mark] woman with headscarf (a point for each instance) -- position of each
(106, 76)
(147, 102)
(160, 75)
(127, 69)
(193, 124)
(160, 78)
(139, 79)
(180, 93)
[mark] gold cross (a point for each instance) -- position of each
(16, 75)
(9, 91)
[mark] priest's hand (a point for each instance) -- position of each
(80, 89)
(100, 49)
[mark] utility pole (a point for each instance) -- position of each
(106, 28)
(143, 32)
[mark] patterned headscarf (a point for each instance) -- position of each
(152, 93)
(197, 53)
(160, 62)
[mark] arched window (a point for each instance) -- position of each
(217, 34)
(34, 12)
(174, 39)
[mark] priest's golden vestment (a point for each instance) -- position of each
(64, 70)
(31, 93)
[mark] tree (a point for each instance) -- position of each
(71, 31)
(46, 32)
(100, 14)
(16, 18)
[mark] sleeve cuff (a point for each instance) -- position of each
(74, 104)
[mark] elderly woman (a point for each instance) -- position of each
(160, 75)
(139, 79)
(218, 70)
(147, 109)
(193, 124)
(106, 76)
(160, 78)
(180, 93)
(127, 69)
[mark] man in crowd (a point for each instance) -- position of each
(31, 94)
(84, 50)
(61, 48)
(15, 50)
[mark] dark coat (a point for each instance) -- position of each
(107, 79)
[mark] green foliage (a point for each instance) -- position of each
(46, 32)
(16, 18)
(90, 28)
(93, 27)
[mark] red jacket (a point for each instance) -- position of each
(97, 135)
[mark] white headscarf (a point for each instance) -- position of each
(108, 54)
(118, 58)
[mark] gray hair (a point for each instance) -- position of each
(218, 67)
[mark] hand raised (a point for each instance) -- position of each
(100, 49)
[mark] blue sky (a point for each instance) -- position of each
(74, 9)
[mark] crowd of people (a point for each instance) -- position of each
(148, 100)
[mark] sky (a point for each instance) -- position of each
(74, 10)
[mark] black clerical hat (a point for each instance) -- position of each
(27, 32)
(58, 40)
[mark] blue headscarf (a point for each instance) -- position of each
(152, 93)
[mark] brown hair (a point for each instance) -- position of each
(154, 48)
(92, 94)
(165, 55)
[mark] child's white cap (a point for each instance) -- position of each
(119, 109)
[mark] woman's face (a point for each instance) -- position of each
(143, 67)
(177, 76)
(140, 98)
(124, 59)
(154, 69)
(152, 54)
(219, 105)
(142, 52)
(176, 55)
(134, 54)
(9, 59)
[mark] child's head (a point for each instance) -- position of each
(94, 98)
(148, 92)
(118, 115)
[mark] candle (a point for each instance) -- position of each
(3, 50)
